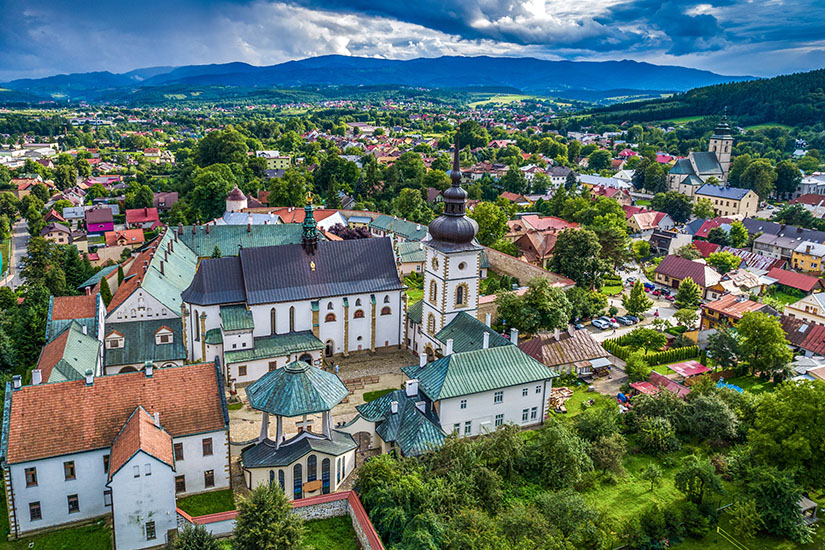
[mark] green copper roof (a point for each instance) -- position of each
(230, 238)
(682, 166)
(477, 371)
(409, 230)
(467, 334)
(264, 454)
(214, 336)
(707, 163)
(295, 390)
(236, 318)
(179, 268)
(411, 252)
(415, 311)
(94, 279)
(139, 342)
(278, 345)
(79, 352)
(693, 180)
(412, 430)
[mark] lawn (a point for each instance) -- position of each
(4, 252)
(373, 395)
(414, 295)
(330, 534)
(784, 297)
(211, 502)
(612, 290)
(642, 203)
(752, 384)
(764, 542)
(234, 406)
(582, 396)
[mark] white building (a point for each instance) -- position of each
(56, 466)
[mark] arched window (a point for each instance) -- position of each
(386, 310)
(461, 295)
(272, 319)
(297, 482)
(281, 479)
(196, 320)
(312, 468)
(357, 302)
(329, 306)
(271, 477)
(291, 318)
(359, 314)
(325, 475)
(386, 299)
(330, 318)
(431, 324)
(433, 291)
(134, 313)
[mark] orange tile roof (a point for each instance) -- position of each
(140, 434)
(74, 307)
(733, 306)
(132, 279)
(69, 417)
(130, 236)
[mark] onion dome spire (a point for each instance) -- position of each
(309, 231)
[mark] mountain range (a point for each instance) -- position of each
(529, 75)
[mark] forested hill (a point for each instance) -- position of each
(795, 99)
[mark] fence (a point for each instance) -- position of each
(320, 507)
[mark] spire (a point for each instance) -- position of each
(309, 233)
(455, 174)
(723, 128)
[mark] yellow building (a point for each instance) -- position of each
(274, 160)
(729, 201)
(810, 309)
(808, 256)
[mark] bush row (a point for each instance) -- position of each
(653, 358)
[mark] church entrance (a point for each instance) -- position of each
(329, 350)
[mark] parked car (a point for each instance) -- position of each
(600, 324)
(610, 322)
(631, 281)
(578, 326)
(670, 297)
(657, 292)
(632, 318)
(649, 287)
(624, 320)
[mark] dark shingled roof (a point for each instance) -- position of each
(265, 455)
(217, 281)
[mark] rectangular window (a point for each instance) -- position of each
(68, 470)
(498, 397)
(463, 404)
(209, 478)
(207, 446)
(147, 469)
(178, 451)
(107, 497)
(105, 464)
(468, 427)
(31, 477)
(525, 414)
(242, 370)
(534, 413)
(499, 420)
(136, 470)
(74, 504)
(273, 365)
(456, 428)
(538, 388)
(524, 392)
(150, 530)
(34, 511)
(180, 484)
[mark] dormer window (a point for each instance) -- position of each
(115, 340)
(164, 335)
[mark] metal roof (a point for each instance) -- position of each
(278, 345)
(411, 252)
(236, 318)
(706, 162)
(732, 193)
(409, 230)
(477, 371)
(467, 334)
(265, 455)
(139, 342)
(412, 430)
(296, 389)
(231, 238)
(415, 311)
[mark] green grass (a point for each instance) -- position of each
(89, 537)
(684, 119)
(784, 297)
(234, 406)
(373, 395)
(766, 125)
(415, 294)
(612, 290)
(642, 203)
(752, 384)
(762, 542)
(330, 534)
(581, 396)
(4, 252)
(208, 503)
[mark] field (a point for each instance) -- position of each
(684, 119)
(765, 125)
(501, 99)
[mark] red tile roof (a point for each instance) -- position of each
(545, 223)
(809, 198)
(74, 307)
(132, 279)
(805, 283)
(140, 434)
(814, 340)
(710, 224)
(69, 417)
(142, 215)
(631, 210)
(734, 306)
(705, 248)
(127, 236)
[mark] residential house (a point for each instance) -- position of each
(126, 237)
(622, 196)
(145, 218)
(755, 262)
(645, 223)
(164, 200)
(729, 201)
(811, 184)
(674, 269)
(52, 216)
(810, 309)
(519, 200)
(87, 310)
(403, 230)
(57, 233)
(705, 248)
(411, 257)
(797, 281)
(567, 351)
(99, 219)
(664, 242)
(62, 469)
(808, 256)
(738, 282)
(727, 310)
(274, 160)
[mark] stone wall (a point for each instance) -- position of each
(321, 510)
(513, 267)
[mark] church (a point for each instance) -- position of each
(272, 305)
(691, 173)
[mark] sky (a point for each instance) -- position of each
(732, 37)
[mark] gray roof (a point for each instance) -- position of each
(706, 163)
(412, 430)
(411, 252)
(287, 273)
(139, 342)
(732, 193)
(409, 230)
(295, 390)
(265, 455)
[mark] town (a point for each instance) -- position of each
(449, 325)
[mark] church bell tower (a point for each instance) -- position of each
(721, 144)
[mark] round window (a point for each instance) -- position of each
(462, 265)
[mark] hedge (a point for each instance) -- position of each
(614, 346)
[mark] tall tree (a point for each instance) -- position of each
(703, 209)
(763, 343)
(738, 235)
(759, 176)
(737, 168)
(696, 478)
(577, 256)
(675, 204)
(492, 222)
(788, 178)
(688, 294)
(266, 521)
(636, 302)
(599, 160)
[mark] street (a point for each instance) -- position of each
(19, 236)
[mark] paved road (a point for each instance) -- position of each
(20, 236)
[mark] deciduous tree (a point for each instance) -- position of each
(764, 347)
(577, 256)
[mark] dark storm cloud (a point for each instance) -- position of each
(731, 36)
